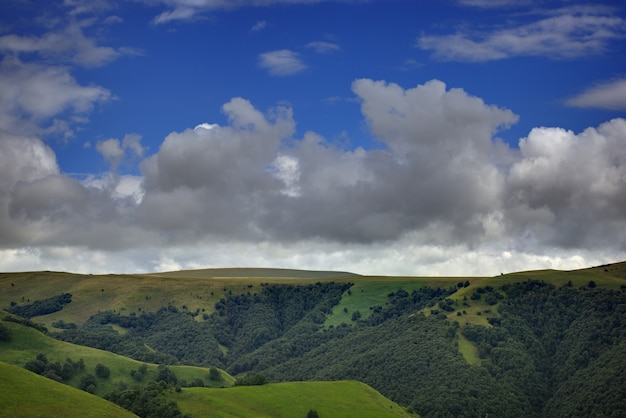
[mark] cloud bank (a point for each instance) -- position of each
(442, 195)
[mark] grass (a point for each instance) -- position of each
(368, 292)
(25, 394)
(341, 399)
(265, 273)
(27, 343)
(468, 350)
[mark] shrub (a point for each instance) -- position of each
(214, 375)
(88, 383)
(254, 380)
(5, 333)
(102, 371)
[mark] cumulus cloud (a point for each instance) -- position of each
(443, 180)
(569, 189)
(609, 95)
(282, 62)
(570, 33)
(442, 195)
(113, 150)
(33, 93)
(439, 167)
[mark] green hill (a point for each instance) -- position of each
(340, 399)
(24, 394)
(258, 273)
(26, 343)
(509, 345)
(199, 290)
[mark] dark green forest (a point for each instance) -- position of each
(547, 352)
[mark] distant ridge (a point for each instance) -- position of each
(250, 272)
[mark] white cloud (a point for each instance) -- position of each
(114, 151)
(190, 9)
(286, 169)
(33, 93)
(322, 47)
(80, 7)
(570, 33)
(577, 183)
(488, 4)
(610, 95)
(282, 62)
(66, 45)
(111, 151)
(442, 196)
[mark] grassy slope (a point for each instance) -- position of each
(264, 273)
(200, 289)
(27, 343)
(330, 399)
(25, 394)
(196, 289)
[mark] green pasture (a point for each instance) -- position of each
(24, 394)
(366, 293)
(27, 343)
(198, 290)
(193, 290)
(340, 399)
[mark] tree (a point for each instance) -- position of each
(312, 414)
(254, 380)
(5, 333)
(88, 383)
(102, 371)
(214, 375)
(166, 375)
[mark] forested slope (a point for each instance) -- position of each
(540, 349)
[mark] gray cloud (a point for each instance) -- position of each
(571, 189)
(436, 168)
(443, 174)
(217, 176)
(442, 187)
(114, 151)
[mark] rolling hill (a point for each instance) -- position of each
(340, 399)
(26, 395)
(27, 343)
(515, 344)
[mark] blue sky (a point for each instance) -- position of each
(380, 136)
